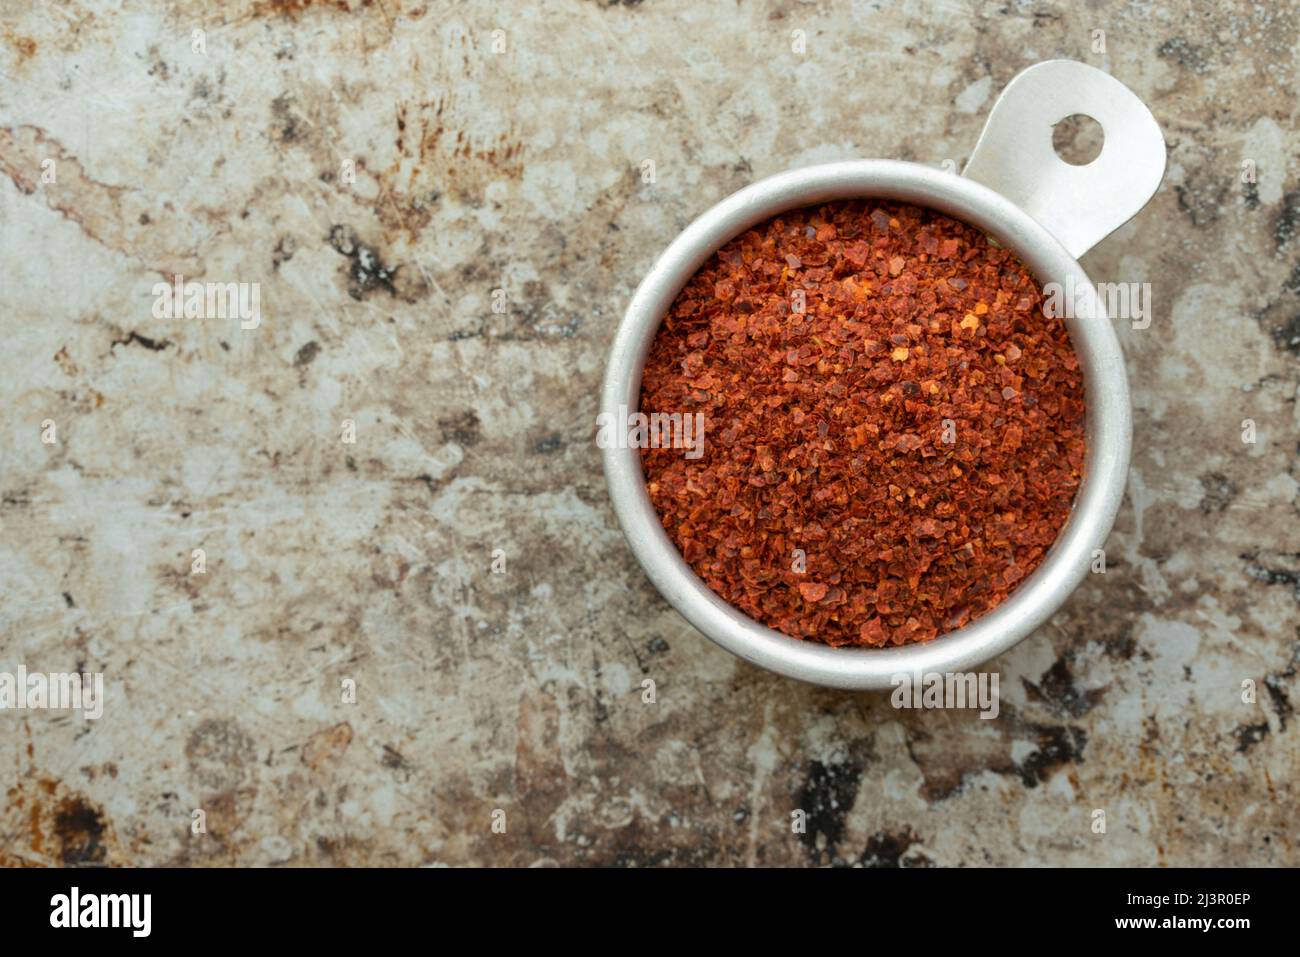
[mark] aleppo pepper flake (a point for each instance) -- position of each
(895, 430)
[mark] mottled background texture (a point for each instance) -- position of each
(478, 168)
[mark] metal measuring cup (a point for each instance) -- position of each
(1018, 191)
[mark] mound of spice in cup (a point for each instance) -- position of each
(894, 428)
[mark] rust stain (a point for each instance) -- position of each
(327, 746)
(67, 365)
(25, 47)
(435, 159)
(292, 9)
(80, 828)
(116, 217)
(61, 827)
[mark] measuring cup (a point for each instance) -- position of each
(1018, 191)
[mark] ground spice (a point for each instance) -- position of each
(894, 428)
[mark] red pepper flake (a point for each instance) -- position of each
(872, 633)
(812, 591)
(880, 432)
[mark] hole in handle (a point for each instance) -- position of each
(1078, 139)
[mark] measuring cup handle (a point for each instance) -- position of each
(1079, 205)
